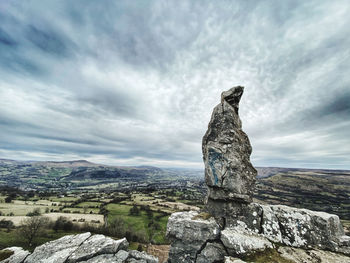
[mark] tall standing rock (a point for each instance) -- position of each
(229, 174)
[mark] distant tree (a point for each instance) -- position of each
(62, 223)
(32, 228)
(134, 211)
(35, 212)
(117, 227)
(149, 213)
(8, 199)
(8, 224)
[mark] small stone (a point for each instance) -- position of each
(142, 256)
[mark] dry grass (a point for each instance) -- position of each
(203, 216)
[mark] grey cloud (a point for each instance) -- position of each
(135, 82)
(49, 42)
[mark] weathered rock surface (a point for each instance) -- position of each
(189, 234)
(19, 254)
(142, 256)
(238, 242)
(298, 255)
(96, 245)
(213, 252)
(57, 251)
(229, 174)
(302, 228)
(85, 248)
(233, 260)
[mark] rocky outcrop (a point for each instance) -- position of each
(229, 174)
(84, 247)
(233, 226)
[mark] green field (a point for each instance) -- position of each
(10, 239)
(140, 222)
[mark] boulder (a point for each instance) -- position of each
(212, 252)
(302, 227)
(229, 174)
(240, 242)
(57, 251)
(97, 245)
(189, 232)
(18, 256)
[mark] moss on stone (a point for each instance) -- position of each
(268, 255)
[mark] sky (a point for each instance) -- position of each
(135, 82)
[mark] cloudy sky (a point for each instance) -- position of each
(135, 82)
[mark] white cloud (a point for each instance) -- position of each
(137, 82)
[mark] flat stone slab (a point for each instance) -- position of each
(243, 243)
(57, 251)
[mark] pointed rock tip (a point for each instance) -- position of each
(232, 96)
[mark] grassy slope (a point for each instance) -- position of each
(320, 191)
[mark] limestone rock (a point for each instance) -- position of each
(96, 245)
(234, 213)
(233, 260)
(298, 255)
(213, 252)
(142, 257)
(19, 254)
(229, 174)
(302, 227)
(106, 258)
(57, 251)
(122, 255)
(188, 233)
(238, 242)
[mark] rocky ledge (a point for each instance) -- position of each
(197, 237)
(84, 247)
(232, 228)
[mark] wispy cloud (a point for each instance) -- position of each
(134, 82)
